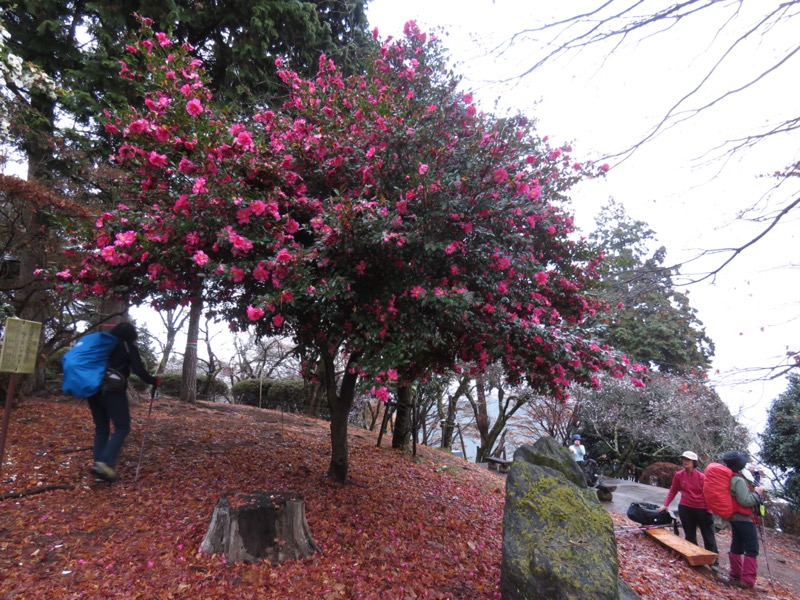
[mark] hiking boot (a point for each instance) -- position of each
(740, 584)
(104, 472)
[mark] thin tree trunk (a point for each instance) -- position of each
(340, 404)
(189, 376)
(402, 420)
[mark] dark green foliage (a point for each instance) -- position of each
(276, 394)
(171, 385)
(660, 474)
(648, 318)
(781, 439)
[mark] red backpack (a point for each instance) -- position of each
(717, 490)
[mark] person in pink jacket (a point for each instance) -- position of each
(692, 509)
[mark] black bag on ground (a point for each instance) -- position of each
(645, 513)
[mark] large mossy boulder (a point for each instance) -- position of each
(558, 540)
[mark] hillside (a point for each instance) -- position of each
(403, 527)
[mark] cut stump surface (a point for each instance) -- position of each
(251, 526)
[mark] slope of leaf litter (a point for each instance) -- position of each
(424, 527)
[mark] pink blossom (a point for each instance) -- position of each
(500, 175)
(163, 39)
(254, 313)
(199, 186)
(200, 258)
(126, 238)
(391, 374)
(139, 126)
(245, 139)
(423, 168)
(186, 166)
(604, 168)
(194, 107)
(98, 289)
(241, 244)
(260, 273)
(381, 393)
(417, 291)
(237, 275)
(277, 320)
(108, 253)
(157, 160)
(283, 255)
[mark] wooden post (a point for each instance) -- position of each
(12, 386)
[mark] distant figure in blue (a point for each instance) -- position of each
(110, 404)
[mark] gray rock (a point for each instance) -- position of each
(558, 541)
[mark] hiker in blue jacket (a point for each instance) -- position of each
(110, 404)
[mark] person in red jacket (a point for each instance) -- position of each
(692, 509)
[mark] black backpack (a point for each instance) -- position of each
(645, 513)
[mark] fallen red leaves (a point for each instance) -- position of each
(428, 527)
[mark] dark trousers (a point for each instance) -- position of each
(744, 538)
(691, 519)
(108, 408)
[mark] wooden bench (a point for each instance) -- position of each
(500, 464)
(694, 555)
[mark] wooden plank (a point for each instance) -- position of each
(694, 555)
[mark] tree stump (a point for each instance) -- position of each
(604, 492)
(250, 526)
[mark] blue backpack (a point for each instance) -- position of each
(85, 364)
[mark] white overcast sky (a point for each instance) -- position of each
(603, 104)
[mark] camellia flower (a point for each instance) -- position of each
(277, 320)
(500, 175)
(194, 107)
(126, 238)
(254, 313)
(200, 258)
(423, 169)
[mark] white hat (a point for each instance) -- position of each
(690, 455)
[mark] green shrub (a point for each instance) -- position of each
(171, 385)
(276, 394)
(660, 474)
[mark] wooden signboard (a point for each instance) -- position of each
(20, 344)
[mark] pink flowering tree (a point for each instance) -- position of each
(428, 235)
(187, 175)
(381, 219)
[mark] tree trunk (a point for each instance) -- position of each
(402, 419)
(189, 376)
(315, 390)
(481, 418)
(340, 404)
(247, 527)
(173, 319)
(449, 418)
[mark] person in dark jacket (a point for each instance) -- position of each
(744, 534)
(110, 404)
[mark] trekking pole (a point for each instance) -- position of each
(761, 514)
(144, 433)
